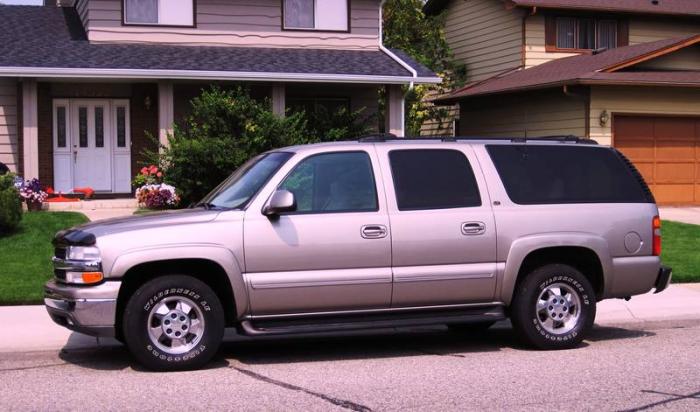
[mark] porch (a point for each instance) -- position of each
(76, 134)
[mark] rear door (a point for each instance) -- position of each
(443, 231)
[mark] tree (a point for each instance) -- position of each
(422, 37)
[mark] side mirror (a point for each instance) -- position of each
(280, 202)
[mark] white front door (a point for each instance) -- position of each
(91, 145)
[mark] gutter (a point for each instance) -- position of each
(61, 72)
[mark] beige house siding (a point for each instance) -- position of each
(684, 59)
(442, 128)
(638, 100)
(8, 124)
(82, 8)
(234, 22)
(532, 114)
(484, 36)
(648, 30)
(535, 52)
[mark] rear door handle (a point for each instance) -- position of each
(374, 231)
(473, 228)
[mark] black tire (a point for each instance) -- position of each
(524, 314)
(475, 328)
(153, 294)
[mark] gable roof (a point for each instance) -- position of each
(661, 7)
(602, 68)
(51, 42)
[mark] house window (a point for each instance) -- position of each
(579, 33)
(329, 15)
(159, 12)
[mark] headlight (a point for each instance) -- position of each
(82, 253)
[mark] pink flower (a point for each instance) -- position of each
(144, 170)
(159, 174)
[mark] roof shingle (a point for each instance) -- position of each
(586, 68)
(661, 7)
(53, 37)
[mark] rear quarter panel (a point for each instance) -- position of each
(601, 227)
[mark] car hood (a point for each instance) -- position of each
(142, 222)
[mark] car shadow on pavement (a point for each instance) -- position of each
(377, 344)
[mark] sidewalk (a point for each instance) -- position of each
(29, 328)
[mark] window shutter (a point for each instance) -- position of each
(550, 32)
(623, 33)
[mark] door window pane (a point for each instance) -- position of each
(566, 174)
(433, 179)
(607, 34)
(82, 127)
(121, 127)
(61, 126)
(333, 182)
(299, 14)
(99, 127)
(566, 32)
(141, 11)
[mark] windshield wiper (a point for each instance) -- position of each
(207, 206)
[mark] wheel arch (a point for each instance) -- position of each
(218, 269)
(589, 254)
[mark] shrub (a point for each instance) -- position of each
(10, 204)
(225, 128)
(228, 127)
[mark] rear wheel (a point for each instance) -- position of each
(553, 307)
(173, 323)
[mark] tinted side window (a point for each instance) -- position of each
(433, 179)
(565, 174)
(333, 182)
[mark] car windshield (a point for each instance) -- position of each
(236, 191)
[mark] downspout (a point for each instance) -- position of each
(396, 58)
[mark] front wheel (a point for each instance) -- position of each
(173, 323)
(553, 307)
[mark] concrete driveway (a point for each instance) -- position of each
(681, 214)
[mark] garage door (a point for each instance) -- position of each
(666, 150)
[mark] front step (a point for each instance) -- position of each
(369, 320)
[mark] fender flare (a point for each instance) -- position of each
(220, 255)
(522, 247)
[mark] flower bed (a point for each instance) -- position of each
(152, 193)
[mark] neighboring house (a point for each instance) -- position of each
(625, 73)
(81, 86)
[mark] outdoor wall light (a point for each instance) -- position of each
(147, 102)
(604, 118)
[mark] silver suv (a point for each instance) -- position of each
(370, 234)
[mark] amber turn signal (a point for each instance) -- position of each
(92, 277)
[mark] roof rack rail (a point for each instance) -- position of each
(384, 137)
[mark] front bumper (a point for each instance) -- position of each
(86, 309)
(663, 280)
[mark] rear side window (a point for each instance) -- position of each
(566, 174)
(433, 179)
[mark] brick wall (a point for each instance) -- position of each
(144, 122)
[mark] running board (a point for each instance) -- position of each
(317, 324)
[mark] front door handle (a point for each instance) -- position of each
(374, 231)
(473, 228)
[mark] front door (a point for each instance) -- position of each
(334, 252)
(91, 145)
(91, 142)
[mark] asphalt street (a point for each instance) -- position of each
(639, 366)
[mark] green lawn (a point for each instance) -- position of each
(680, 249)
(25, 255)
